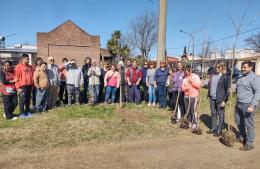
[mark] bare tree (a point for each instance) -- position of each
(143, 31)
(254, 41)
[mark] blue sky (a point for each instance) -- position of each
(101, 17)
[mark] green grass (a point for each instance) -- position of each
(75, 125)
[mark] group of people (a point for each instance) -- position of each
(176, 87)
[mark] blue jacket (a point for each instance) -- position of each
(161, 75)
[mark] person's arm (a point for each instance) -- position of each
(185, 85)
(139, 75)
(105, 78)
(17, 75)
(255, 84)
(155, 78)
(195, 82)
(35, 79)
(97, 71)
(128, 77)
(118, 80)
(146, 79)
(90, 72)
(81, 78)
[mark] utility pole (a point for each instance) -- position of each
(161, 51)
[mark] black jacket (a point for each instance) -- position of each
(222, 88)
(85, 71)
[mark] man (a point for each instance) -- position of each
(143, 82)
(126, 68)
(63, 88)
(85, 69)
(53, 75)
(41, 84)
(74, 80)
(24, 83)
(218, 93)
(248, 95)
(160, 78)
(134, 76)
(94, 81)
(7, 88)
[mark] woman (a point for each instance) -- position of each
(160, 78)
(36, 66)
(191, 87)
(111, 82)
(8, 90)
(169, 84)
(85, 69)
(150, 83)
(218, 93)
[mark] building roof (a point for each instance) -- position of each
(172, 59)
(105, 52)
(20, 49)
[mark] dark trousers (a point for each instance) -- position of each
(134, 93)
(145, 93)
(245, 122)
(25, 98)
(101, 95)
(34, 92)
(190, 107)
(85, 91)
(63, 88)
(217, 115)
(10, 102)
(161, 89)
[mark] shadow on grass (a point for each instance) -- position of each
(206, 119)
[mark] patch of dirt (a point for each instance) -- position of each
(132, 116)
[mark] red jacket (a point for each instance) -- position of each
(8, 88)
(23, 75)
(134, 74)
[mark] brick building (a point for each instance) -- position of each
(68, 40)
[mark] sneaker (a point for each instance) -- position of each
(29, 114)
(210, 132)
(217, 134)
(190, 125)
(14, 118)
(194, 126)
(23, 116)
(246, 148)
(149, 104)
(4, 115)
(154, 103)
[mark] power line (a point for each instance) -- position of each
(224, 38)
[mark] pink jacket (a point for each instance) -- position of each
(112, 79)
(191, 85)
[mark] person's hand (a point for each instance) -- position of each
(147, 84)
(117, 86)
(155, 85)
(19, 91)
(137, 83)
(105, 85)
(129, 83)
(250, 109)
(222, 104)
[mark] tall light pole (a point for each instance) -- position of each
(161, 51)
(192, 37)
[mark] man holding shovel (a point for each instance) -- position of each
(248, 94)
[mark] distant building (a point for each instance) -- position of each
(69, 40)
(14, 53)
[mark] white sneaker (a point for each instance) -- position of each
(149, 104)
(4, 115)
(154, 103)
(14, 118)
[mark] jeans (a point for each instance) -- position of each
(94, 91)
(152, 96)
(41, 100)
(245, 122)
(110, 90)
(10, 102)
(217, 114)
(73, 91)
(25, 98)
(161, 89)
(134, 93)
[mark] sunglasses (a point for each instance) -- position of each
(217, 67)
